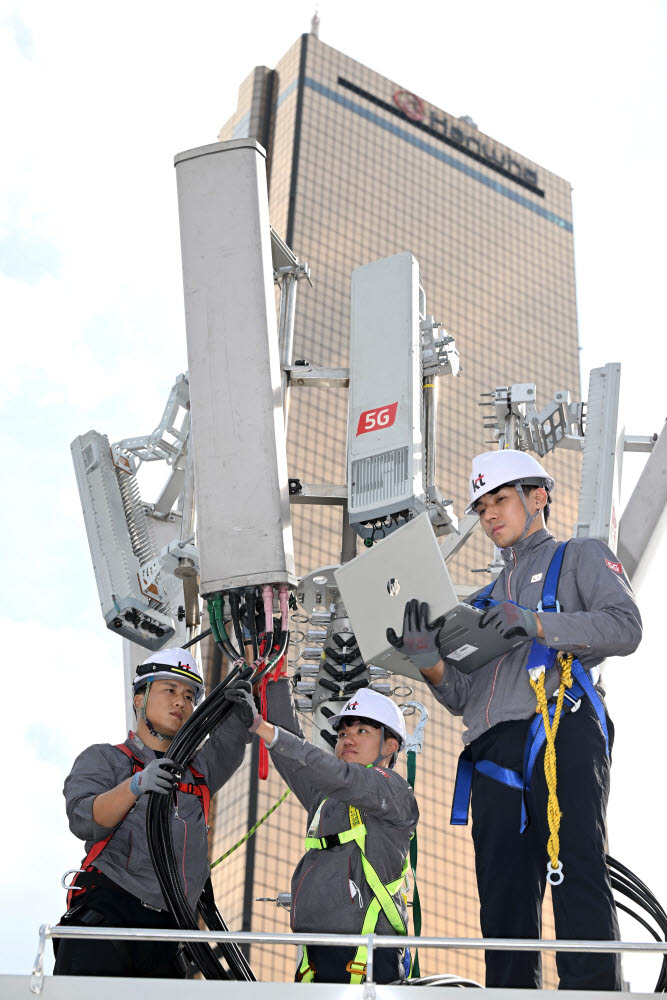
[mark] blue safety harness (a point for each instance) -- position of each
(539, 656)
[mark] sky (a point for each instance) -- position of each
(96, 102)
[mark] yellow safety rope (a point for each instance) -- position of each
(248, 835)
(550, 729)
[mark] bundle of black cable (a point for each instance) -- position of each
(626, 882)
(213, 710)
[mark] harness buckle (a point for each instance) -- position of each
(302, 973)
(332, 840)
(555, 607)
(72, 871)
(574, 702)
(356, 968)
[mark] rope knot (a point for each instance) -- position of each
(554, 814)
(565, 661)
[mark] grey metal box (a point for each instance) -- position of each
(384, 444)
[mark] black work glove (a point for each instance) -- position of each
(419, 640)
(511, 621)
(161, 775)
(239, 695)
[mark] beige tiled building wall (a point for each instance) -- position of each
(360, 169)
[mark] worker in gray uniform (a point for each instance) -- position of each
(361, 816)
(106, 802)
(570, 605)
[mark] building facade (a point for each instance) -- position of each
(358, 169)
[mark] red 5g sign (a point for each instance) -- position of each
(377, 419)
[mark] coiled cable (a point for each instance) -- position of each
(629, 885)
(212, 712)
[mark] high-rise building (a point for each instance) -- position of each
(360, 168)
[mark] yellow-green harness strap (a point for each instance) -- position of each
(382, 894)
(305, 972)
(382, 901)
(333, 840)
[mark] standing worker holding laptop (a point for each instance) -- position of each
(571, 605)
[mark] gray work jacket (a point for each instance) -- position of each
(126, 859)
(329, 890)
(598, 618)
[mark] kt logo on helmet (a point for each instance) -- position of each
(351, 705)
(479, 482)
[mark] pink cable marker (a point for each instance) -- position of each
(267, 598)
(283, 597)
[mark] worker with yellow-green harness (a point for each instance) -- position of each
(361, 817)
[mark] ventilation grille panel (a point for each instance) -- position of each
(379, 479)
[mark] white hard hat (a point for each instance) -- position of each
(492, 469)
(168, 664)
(368, 704)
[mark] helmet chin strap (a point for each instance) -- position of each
(529, 517)
(380, 757)
(149, 725)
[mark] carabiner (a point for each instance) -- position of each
(415, 741)
(72, 871)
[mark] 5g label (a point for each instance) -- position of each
(377, 419)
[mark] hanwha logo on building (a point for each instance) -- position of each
(410, 105)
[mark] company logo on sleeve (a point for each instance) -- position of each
(615, 566)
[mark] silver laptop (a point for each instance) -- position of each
(409, 564)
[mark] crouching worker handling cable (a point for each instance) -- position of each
(106, 803)
(361, 816)
(537, 739)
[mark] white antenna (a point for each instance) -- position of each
(603, 456)
(315, 24)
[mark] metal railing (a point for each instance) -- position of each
(372, 941)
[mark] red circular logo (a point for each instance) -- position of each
(410, 105)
